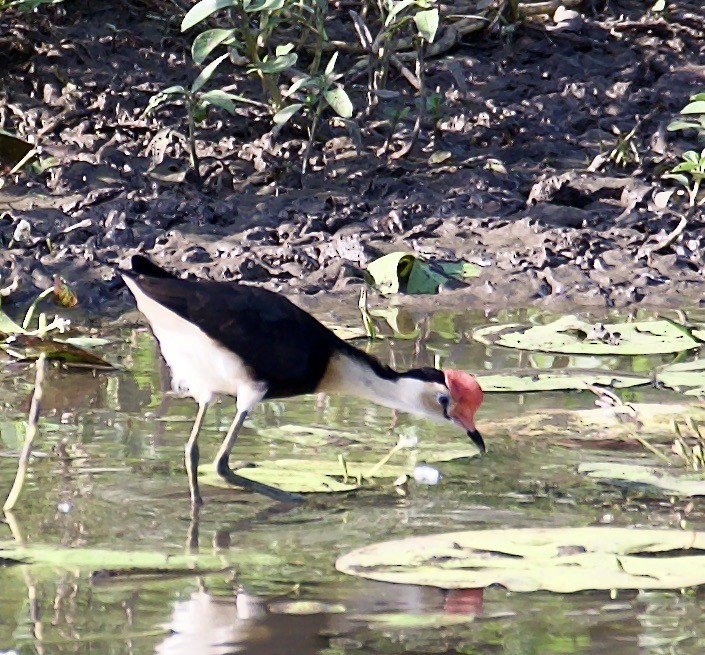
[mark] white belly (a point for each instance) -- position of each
(200, 367)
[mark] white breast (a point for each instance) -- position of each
(200, 366)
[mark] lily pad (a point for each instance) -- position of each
(126, 562)
(562, 560)
(556, 381)
(407, 273)
(571, 335)
(321, 476)
(684, 375)
(670, 481)
(305, 607)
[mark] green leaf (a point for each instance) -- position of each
(283, 115)
(338, 99)
(682, 375)
(314, 475)
(277, 64)
(666, 480)
(264, 5)
(207, 41)
(164, 96)
(284, 49)
(682, 179)
(556, 381)
(571, 335)
(561, 560)
(207, 73)
(427, 24)
(697, 107)
(399, 271)
(698, 96)
(680, 124)
(330, 66)
(461, 270)
(221, 99)
(397, 8)
(202, 10)
(116, 561)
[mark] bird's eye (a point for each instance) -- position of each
(444, 401)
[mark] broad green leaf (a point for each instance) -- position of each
(399, 271)
(556, 381)
(679, 124)
(284, 49)
(390, 273)
(117, 561)
(697, 107)
(561, 560)
(427, 24)
(277, 64)
(221, 99)
(338, 99)
(682, 179)
(207, 73)
(461, 270)
(202, 10)
(207, 41)
(669, 481)
(682, 375)
(283, 115)
(571, 335)
(698, 96)
(315, 475)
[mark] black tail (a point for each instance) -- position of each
(143, 266)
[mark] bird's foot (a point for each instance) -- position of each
(225, 472)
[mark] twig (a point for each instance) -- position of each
(406, 149)
(29, 436)
(671, 237)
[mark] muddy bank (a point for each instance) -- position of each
(523, 115)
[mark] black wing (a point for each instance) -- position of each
(284, 346)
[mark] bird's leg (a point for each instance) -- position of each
(221, 461)
(191, 456)
(222, 467)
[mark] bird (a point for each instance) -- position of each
(244, 341)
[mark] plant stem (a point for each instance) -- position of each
(192, 136)
(312, 135)
(32, 422)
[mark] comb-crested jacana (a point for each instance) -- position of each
(253, 344)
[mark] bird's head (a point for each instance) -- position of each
(453, 396)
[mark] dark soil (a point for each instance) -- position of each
(525, 112)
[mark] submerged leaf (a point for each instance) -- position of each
(671, 482)
(562, 560)
(316, 476)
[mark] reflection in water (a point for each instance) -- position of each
(115, 480)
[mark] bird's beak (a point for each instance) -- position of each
(477, 440)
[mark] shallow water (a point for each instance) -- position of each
(108, 473)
